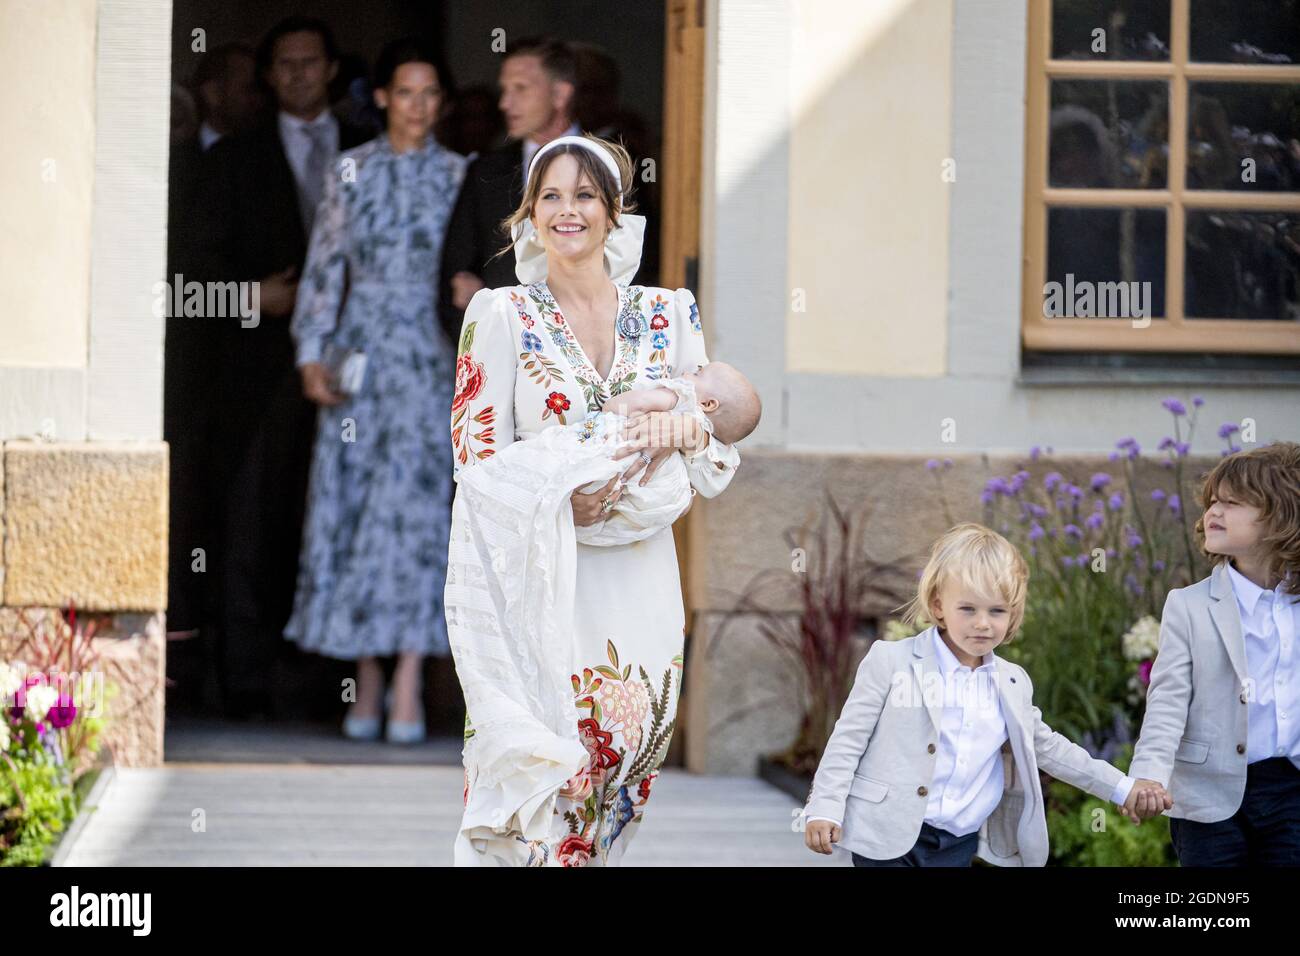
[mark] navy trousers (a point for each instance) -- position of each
(934, 847)
(1265, 830)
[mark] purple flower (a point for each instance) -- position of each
(1067, 561)
(1124, 444)
(1157, 494)
(1035, 531)
(1228, 428)
(63, 713)
(1051, 480)
(947, 463)
(1198, 401)
(1175, 504)
(1094, 520)
(1073, 531)
(932, 464)
(1100, 480)
(1113, 456)
(1144, 672)
(1175, 406)
(1074, 491)
(986, 496)
(998, 486)
(1182, 448)
(1034, 453)
(1134, 540)
(1117, 501)
(1111, 552)
(1157, 565)
(1037, 511)
(1018, 481)
(1165, 444)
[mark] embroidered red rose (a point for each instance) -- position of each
(573, 851)
(470, 380)
(658, 322)
(557, 402)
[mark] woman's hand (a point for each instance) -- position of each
(661, 434)
(316, 385)
(587, 508)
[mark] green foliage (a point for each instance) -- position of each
(1085, 831)
(36, 804)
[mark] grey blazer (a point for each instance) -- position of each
(879, 762)
(1193, 737)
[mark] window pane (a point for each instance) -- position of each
(1109, 134)
(1130, 29)
(1242, 265)
(1231, 123)
(1245, 31)
(1088, 247)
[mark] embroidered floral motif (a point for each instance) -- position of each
(557, 403)
(470, 379)
(610, 792)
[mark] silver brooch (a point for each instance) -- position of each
(630, 323)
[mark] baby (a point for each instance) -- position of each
(717, 395)
(722, 394)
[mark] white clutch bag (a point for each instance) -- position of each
(346, 369)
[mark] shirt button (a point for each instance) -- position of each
(1243, 698)
(930, 749)
(1241, 748)
(922, 792)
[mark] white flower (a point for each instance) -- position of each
(4, 733)
(1142, 640)
(10, 681)
(39, 701)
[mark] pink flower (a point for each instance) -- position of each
(1144, 673)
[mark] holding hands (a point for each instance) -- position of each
(1146, 800)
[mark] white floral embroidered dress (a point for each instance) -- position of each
(520, 369)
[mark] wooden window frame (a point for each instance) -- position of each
(1174, 332)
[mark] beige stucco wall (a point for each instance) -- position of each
(47, 97)
(870, 91)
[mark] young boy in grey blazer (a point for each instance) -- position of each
(1222, 725)
(934, 759)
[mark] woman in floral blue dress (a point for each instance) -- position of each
(374, 552)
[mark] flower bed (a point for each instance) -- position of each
(52, 700)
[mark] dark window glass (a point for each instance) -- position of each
(1107, 245)
(1109, 134)
(1230, 124)
(1242, 265)
(1245, 31)
(1130, 29)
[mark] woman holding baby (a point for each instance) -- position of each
(573, 337)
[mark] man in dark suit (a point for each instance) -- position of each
(255, 214)
(538, 81)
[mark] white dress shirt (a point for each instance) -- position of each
(298, 142)
(968, 778)
(532, 146)
(1269, 621)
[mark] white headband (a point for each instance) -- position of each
(586, 144)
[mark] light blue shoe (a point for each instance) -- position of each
(361, 728)
(403, 731)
